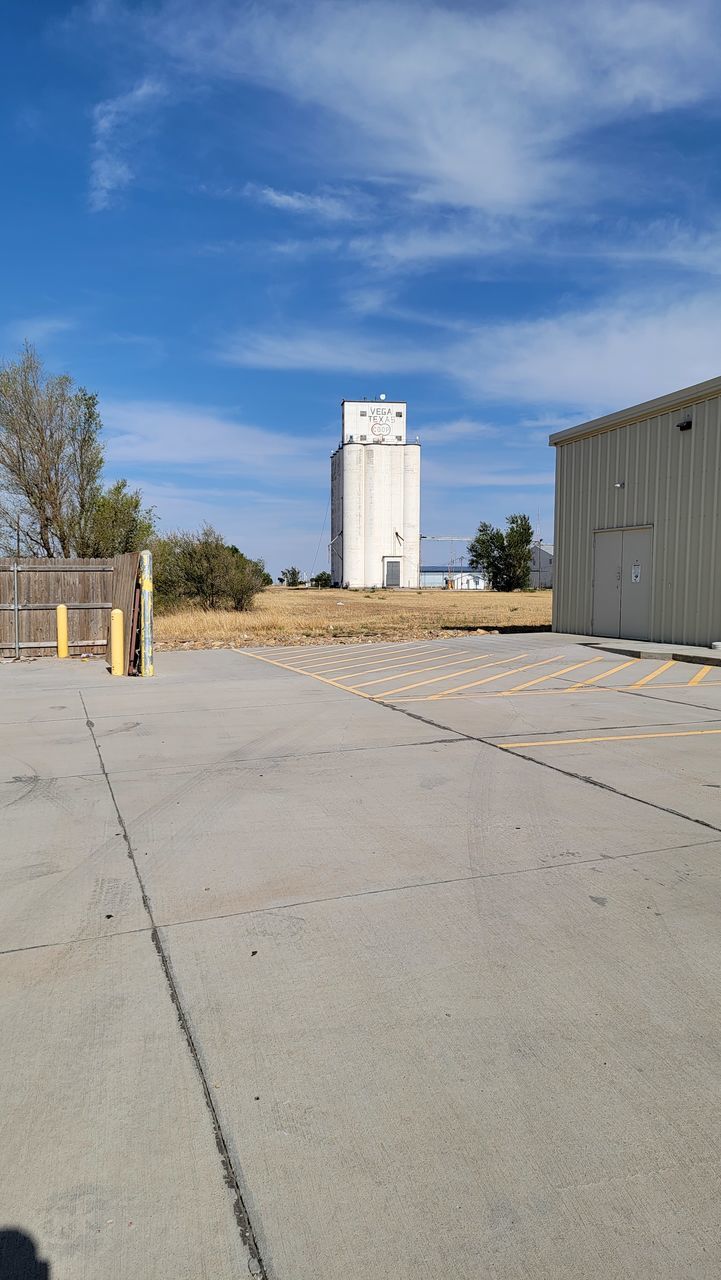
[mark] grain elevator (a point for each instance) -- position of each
(375, 498)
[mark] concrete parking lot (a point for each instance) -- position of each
(360, 962)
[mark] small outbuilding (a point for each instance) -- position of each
(541, 566)
(638, 522)
(440, 575)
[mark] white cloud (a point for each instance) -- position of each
(475, 106)
(424, 244)
(334, 208)
(473, 473)
(279, 530)
(321, 350)
(146, 433)
(458, 429)
(115, 124)
(613, 353)
(38, 329)
(665, 243)
(617, 353)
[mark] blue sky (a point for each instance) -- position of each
(225, 217)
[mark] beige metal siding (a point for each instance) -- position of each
(672, 481)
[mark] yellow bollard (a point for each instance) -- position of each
(61, 614)
(117, 643)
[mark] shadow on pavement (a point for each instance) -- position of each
(18, 1257)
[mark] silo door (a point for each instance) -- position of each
(393, 573)
(607, 575)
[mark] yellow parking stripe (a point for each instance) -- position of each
(499, 676)
(699, 675)
(536, 693)
(448, 675)
(603, 675)
(284, 667)
(435, 665)
(340, 661)
(617, 737)
(348, 653)
(653, 674)
(551, 676)
(446, 667)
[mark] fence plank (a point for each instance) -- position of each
(125, 577)
(84, 585)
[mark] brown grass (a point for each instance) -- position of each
(282, 616)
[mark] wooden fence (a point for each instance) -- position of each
(31, 590)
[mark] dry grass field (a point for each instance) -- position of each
(286, 617)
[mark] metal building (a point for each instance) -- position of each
(459, 579)
(375, 498)
(638, 525)
(541, 566)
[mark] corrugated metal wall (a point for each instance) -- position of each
(672, 480)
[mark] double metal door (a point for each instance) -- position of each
(622, 561)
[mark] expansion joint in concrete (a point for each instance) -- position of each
(256, 1266)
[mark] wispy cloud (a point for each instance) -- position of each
(458, 429)
(481, 107)
(268, 526)
(322, 350)
(38, 329)
(162, 433)
(473, 474)
(326, 205)
(619, 351)
(615, 351)
(425, 244)
(115, 129)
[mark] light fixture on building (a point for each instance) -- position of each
(620, 484)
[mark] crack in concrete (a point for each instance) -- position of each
(256, 1266)
(567, 773)
(542, 764)
(367, 893)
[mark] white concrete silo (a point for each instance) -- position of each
(375, 498)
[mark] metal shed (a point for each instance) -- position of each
(638, 526)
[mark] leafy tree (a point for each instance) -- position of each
(167, 577)
(118, 523)
(504, 559)
(246, 578)
(51, 457)
(202, 568)
(519, 537)
(51, 462)
(322, 579)
(86, 464)
(291, 577)
(487, 552)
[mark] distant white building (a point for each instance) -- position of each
(375, 498)
(542, 565)
(440, 575)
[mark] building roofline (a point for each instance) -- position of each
(637, 412)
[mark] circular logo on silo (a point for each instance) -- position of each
(380, 429)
